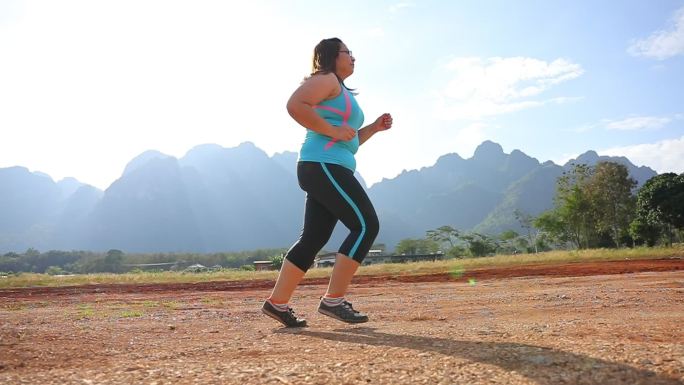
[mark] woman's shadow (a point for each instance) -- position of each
(541, 364)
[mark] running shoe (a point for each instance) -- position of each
(343, 312)
(287, 317)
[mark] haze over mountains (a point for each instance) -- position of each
(229, 199)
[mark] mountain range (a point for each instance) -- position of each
(229, 199)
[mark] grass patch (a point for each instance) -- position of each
(131, 314)
(211, 301)
(150, 304)
(45, 280)
(460, 266)
(14, 307)
(19, 306)
(172, 305)
(85, 312)
(454, 266)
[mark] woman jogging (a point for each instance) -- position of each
(328, 110)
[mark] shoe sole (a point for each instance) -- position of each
(333, 315)
(279, 320)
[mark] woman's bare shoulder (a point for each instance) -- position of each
(327, 84)
(322, 79)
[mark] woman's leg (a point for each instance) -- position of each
(318, 226)
(288, 279)
(341, 276)
(349, 202)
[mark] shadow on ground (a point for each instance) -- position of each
(543, 365)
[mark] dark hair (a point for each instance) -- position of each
(325, 56)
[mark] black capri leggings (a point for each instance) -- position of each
(332, 194)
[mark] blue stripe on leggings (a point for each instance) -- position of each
(351, 203)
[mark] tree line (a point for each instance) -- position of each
(117, 261)
(599, 207)
(594, 207)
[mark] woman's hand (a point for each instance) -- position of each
(383, 122)
(343, 133)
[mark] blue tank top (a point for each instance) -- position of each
(321, 148)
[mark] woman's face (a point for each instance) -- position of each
(344, 62)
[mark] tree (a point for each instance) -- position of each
(448, 238)
(113, 261)
(444, 234)
(479, 245)
(593, 206)
(573, 206)
(552, 227)
(660, 203)
(509, 242)
(508, 235)
(416, 246)
(610, 192)
(643, 232)
(526, 222)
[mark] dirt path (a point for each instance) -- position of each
(605, 323)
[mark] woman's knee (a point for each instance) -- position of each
(366, 224)
(303, 253)
(372, 226)
(303, 263)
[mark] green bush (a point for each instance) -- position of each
(54, 270)
(277, 261)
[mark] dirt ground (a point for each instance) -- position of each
(580, 323)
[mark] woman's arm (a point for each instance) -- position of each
(382, 123)
(313, 91)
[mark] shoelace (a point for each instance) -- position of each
(349, 305)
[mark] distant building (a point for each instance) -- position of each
(263, 265)
(325, 260)
(376, 259)
(196, 268)
(377, 256)
(155, 266)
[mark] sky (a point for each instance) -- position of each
(85, 86)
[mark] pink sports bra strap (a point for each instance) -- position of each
(345, 115)
(347, 106)
(328, 108)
